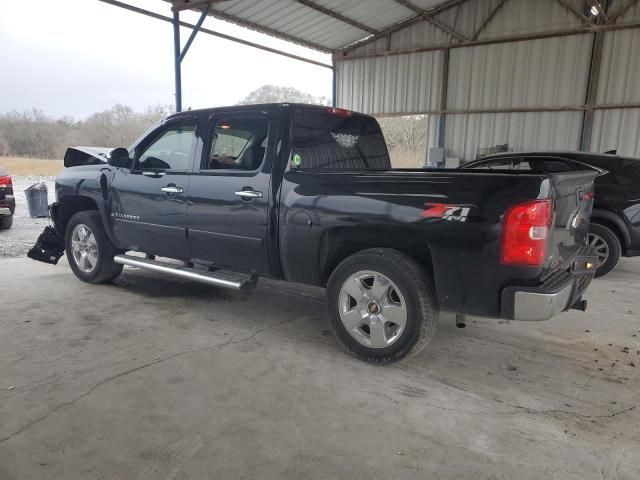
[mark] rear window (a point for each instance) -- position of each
(337, 141)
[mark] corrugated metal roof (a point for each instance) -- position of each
(317, 27)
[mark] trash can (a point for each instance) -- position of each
(37, 200)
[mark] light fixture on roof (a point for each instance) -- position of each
(594, 11)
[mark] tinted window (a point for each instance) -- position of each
(170, 151)
(323, 140)
(237, 143)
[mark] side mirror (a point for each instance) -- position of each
(119, 158)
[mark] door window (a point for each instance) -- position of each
(237, 144)
(170, 151)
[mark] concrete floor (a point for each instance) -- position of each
(158, 379)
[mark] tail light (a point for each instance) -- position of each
(524, 233)
(6, 184)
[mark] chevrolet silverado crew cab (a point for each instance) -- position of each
(307, 194)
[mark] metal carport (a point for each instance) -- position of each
(560, 74)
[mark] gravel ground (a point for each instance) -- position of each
(16, 241)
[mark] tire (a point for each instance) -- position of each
(386, 280)
(97, 265)
(6, 222)
(608, 245)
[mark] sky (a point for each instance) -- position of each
(77, 57)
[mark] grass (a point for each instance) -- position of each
(31, 166)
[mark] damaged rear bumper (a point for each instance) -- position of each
(558, 293)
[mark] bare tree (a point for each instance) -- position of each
(276, 94)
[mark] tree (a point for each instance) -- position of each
(34, 134)
(276, 94)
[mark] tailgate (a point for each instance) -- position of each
(573, 199)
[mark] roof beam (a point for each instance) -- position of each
(429, 18)
(346, 56)
(336, 15)
(157, 16)
(404, 24)
(576, 12)
(486, 21)
(614, 16)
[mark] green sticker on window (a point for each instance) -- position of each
(297, 159)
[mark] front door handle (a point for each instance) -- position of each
(248, 194)
(172, 190)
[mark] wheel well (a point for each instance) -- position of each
(68, 207)
(339, 244)
(614, 228)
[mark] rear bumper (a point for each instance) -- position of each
(558, 293)
(7, 205)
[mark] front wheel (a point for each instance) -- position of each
(89, 251)
(607, 246)
(382, 305)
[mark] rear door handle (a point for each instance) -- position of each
(248, 194)
(172, 189)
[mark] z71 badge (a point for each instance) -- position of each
(445, 211)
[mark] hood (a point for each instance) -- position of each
(76, 156)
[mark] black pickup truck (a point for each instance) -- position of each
(307, 194)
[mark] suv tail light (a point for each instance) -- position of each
(6, 184)
(524, 233)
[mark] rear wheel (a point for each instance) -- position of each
(607, 246)
(89, 251)
(382, 305)
(6, 222)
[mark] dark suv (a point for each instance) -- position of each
(615, 222)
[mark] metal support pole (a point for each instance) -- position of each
(334, 86)
(176, 58)
(592, 91)
(444, 81)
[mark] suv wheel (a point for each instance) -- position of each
(89, 251)
(607, 246)
(382, 305)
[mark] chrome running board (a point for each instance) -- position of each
(232, 280)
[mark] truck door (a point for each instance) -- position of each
(229, 193)
(149, 203)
